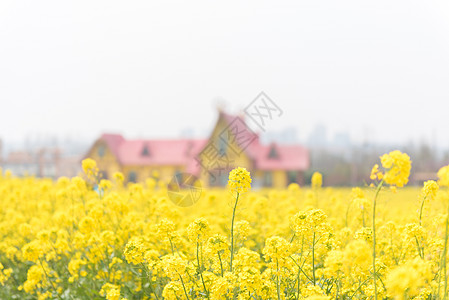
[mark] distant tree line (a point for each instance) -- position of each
(351, 166)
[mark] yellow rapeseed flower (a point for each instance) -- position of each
(198, 230)
(429, 190)
(317, 180)
(443, 175)
(397, 166)
(239, 180)
(88, 165)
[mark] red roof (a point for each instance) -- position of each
(183, 152)
(289, 157)
(159, 152)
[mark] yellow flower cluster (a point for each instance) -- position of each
(88, 238)
(429, 190)
(317, 180)
(397, 166)
(239, 180)
(443, 174)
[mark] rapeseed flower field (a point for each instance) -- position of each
(90, 238)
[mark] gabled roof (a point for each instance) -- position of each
(160, 152)
(184, 152)
(289, 157)
(113, 141)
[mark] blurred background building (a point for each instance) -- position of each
(231, 144)
(48, 162)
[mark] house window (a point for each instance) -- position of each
(101, 150)
(178, 176)
(222, 147)
(273, 153)
(268, 179)
(292, 177)
(218, 178)
(145, 151)
(132, 176)
(103, 174)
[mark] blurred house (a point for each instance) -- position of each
(231, 143)
(20, 163)
(45, 162)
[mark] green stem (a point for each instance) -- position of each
(363, 217)
(419, 248)
(313, 259)
(48, 278)
(277, 280)
(374, 237)
(221, 263)
(293, 237)
(358, 288)
(443, 259)
(184, 287)
(232, 230)
(420, 210)
(299, 279)
(200, 269)
(171, 245)
(347, 214)
(300, 268)
(147, 274)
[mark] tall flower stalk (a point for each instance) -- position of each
(379, 187)
(429, 192)
(239, 182)
(198, 231)
(397, 166)
(443, 175)
(232, 229)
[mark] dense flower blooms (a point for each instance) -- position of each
(110, 291)
(84, 238)
(4, 274)
(407, 281)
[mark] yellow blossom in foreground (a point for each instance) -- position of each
(407, 280)
(443, 175)
(92, 239)
(239, 180)
(375, 173)
(398, 166)
(4, 274)
(429, 190)
(134, 251)
(110, 291)
(317, 180)
(118, 176)
(90, 168)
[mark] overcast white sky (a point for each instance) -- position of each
(154, 68)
